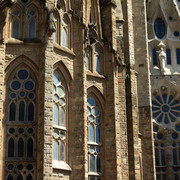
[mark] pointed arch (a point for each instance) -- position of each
(22, 61)
(95, 92)
(61, 67)
(61, 4)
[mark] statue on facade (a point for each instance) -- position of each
(161, 57)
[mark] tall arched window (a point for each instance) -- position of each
(59, 119)
(178, 55)
(154, 57)
(20, 124)
(32, 23)
(16, 20)
(94, 139)
(166, 127)
(64, 32)
(159, 28)
(168, 55)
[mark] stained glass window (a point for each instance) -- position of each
(32, 24)
(159, 28)
(94, 137)
(178, 56)
(20, 124)
(166, 127)
(59, 119)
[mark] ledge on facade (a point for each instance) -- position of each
(94, 174)
(20, 42)
(61, 165)
(64, 49)
(94, 74)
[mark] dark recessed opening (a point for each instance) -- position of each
(156, 77)
(24, 1)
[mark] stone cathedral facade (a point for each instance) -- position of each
(89, 89)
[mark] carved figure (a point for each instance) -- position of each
(162, 59)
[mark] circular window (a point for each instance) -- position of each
(22, 74)
(15, 85)
(159, 28)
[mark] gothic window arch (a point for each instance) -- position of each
(166, 127)
(16, 22)
(65, 31)
(20, 126)
(60, 119)
(32, 22)
(94, 120)
(159, 28)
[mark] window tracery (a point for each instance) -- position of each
(20, 123)
(32, 23)
(59, 119)
(94, 139)
(166, 127)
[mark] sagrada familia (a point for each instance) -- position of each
(89, 89)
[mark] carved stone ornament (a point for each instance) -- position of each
(52, 27)
(161, 56)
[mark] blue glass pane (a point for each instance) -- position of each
(155, 128)
(98, 164)
(159, 99)
(163, 157)
(90, 102)
(11, 148)
(95, 112)
(12, 112)
(174, 135)
(97, 134)
(55, 150)
(56, 98)
(97, 64)
(92, 163)
(160, 136)
(176, 113)
(56, 79)
(10, 177)
(88, 111)
(170, 99)
(64, 38)
(164, 97)
(32, 13)
(178, 56)
(11, 130)
(23, 74)
(60, 91)
(91, 133)
(30, 130)
(21, 111)
(54, 37)
(29, 167)
(15, 85)
(160, 118)
(31, 96)
(91, 118)
(155, 108)
(159, 28)
(29, 85)
(174, 157)
(31, 112)
(156, 114)
(30, 148)
(15, 29)
(175, 103)
(22, 94)
(166, 120)
(157, 157)
(13, 95)
(168, 56)
(62, 151)
(55, 114)
(91, 149)
(62, 117)
(97, 120)
(172, 118)
(176, 33)
(62, 102)
(21, 130)
(29, 177)
(32, 29)
(19, 166)
(20, 148)
(19, 177)
(177, 127)
(176, 108)
(154, 57)
(16, 13)
(155, 103)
